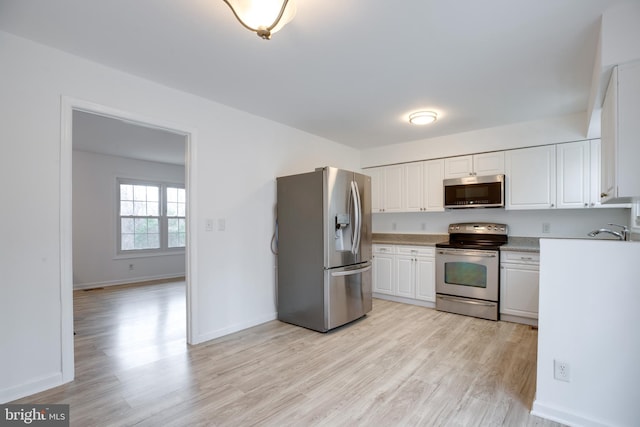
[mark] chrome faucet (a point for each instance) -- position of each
(622, 234)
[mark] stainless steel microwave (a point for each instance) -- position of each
(474, 192)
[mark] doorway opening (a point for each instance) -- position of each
(99, 146)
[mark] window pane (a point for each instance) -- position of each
(140, 241)
(153, 208)
(127, 242)
(181, 209)
(153, 225)
(126, 225)
(126, 192)
(172, 225)
(126, 208)
(140, 225)
(153, 194)
(181, 195)
(172, 194)
(182, 225)
(140, 208)
(172, 209)
(140, 192)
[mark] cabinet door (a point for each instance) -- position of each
(531, 178)
(628, 121)
(457, 167)
(405, 276)
(383, 273)
(377, 189)
(393, 177)
(609, 137)
(519, 290)
(433, 172)
(413, 187)
(425, 275)
(488, 163)
(573, 169)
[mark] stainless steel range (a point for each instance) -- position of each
(468, 269)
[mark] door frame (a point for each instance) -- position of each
(68, 105)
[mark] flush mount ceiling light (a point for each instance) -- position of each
(263, 17)
(423, 117)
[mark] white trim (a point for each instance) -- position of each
(234, 328)
(27, 389)
(562, 416)
(93, 285)
(68, 105)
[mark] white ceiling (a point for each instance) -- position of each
(349, 71)
(105, 135)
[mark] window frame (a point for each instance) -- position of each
(164, 248)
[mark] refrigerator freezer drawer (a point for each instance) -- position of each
(348, 294)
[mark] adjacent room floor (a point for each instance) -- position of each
(400, 365)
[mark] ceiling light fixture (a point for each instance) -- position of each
(423, 117)
(263, 17)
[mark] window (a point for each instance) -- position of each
(151, 216)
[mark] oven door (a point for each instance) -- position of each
(468, 273)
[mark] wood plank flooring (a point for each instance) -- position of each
(401, 365)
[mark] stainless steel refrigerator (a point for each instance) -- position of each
(324, 248)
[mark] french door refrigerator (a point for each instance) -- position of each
(324, 248)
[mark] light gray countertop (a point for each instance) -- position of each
(520, 244)
(408, 239)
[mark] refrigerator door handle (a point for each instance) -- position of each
(355, 194)
(350, 272)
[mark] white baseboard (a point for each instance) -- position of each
(404, 300)
(81, 286)
(563, 416)
(519, 319)
(200, 338)
(32, 387)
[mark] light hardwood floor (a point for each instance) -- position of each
(400, 365)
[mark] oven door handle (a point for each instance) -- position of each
(478, 253)
(466, 301)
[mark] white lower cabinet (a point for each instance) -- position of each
(383, 269)
(519, 286)
(406, 272)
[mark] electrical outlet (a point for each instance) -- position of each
(546, 227)
(561, 371)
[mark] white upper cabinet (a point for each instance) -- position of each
(573, 175)
(477, 164)
(531, 178)
(386, 188)
(413, 187)
(433, 194)
(620, 129)
(423, 186)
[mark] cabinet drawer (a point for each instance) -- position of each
(384, 249)
(428, 251)
(520, 257)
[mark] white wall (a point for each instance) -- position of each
(235, 158)
(589, 317)
(562, 222)
(95, 261)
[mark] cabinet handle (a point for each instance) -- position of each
(526, 258)
(586, 204)
(603, 194)
(552, 205)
